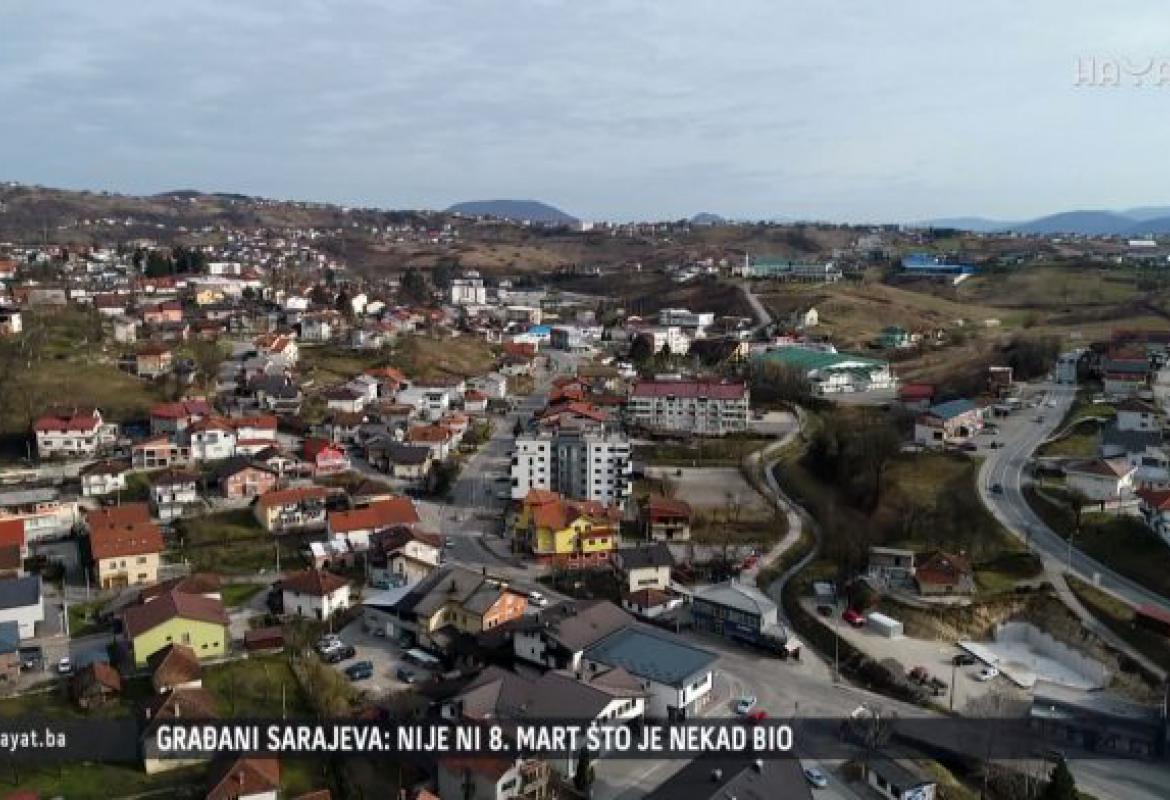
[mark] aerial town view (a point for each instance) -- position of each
(745, 429)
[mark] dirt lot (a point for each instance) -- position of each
(709, 487)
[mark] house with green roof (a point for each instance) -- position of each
(831, 372)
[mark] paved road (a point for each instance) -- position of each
(1021, 435)
(762, 315)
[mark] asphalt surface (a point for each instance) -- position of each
(1021, 434)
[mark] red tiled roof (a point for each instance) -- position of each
(118, 541)
(80, 420)
(384, 514)
(182, 409)
(175, 664)
(941, 568)
(140, 619)
(245, 777)
(315, 582)
(12, 533)
(291, 496)
(195, 583)
(916, 391)
(660, 506)
(111, 516)
(720, 390)
(1157, 499)
(428, 433)
(315, 447)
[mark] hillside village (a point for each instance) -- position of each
(243, 476)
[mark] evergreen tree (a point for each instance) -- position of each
(1061, 785)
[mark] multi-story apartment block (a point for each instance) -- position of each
(468, 291)
(704, 407)
(579, 464)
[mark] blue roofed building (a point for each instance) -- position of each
(928, 265)
(677, 676)
(951, 423)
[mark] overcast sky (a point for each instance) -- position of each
(830, 109)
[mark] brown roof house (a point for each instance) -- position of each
(942, 573)
(199, 622)
(242, 778)
(94, 685)
(175, 667)
(184, 704)
(315, 593)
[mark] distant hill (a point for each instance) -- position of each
(519, 210)
(1085, 223)
(976, 224)
(707, 218)
(1148, 220)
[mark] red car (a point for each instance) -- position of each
(759, 715)
(853, 617)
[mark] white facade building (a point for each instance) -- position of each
(581, 465)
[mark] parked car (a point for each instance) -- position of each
(406, 675)
(987, 674)
(745, 704)
(537, 599)
(816, 777)
(853, 617)
(64, 666)
(360, 671)
(963, 660)
(338, 654)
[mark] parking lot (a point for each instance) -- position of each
(383, 653)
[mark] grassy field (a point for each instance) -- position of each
(1118, 617)
(238, 594)
(1122, 543)
(425, 357)
(328, 365)
(1080, 442)
(234, 544)
(698, 452)
(263, 686)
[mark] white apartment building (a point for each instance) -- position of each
(581, 465)
(673, 337)
(697, 321)
(468, 291)
(72, 433)
(704, 407)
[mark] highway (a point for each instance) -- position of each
(1020, 436)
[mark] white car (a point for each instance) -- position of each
(537, 599)
(745, 704)
(816, 778)
(64, 666)
(986, 674)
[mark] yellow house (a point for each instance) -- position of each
(207, 296)
(194, 620)
(572, 533)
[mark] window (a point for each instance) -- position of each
(185, 638)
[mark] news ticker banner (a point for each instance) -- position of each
(129, 740)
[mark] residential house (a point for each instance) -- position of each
(285, 464)
(173, 418)
(204, 584)
(175, 666)
(898, 779)
(168, 312)
(893, 337)
(199, 622)
(240, 477)
(559, 636)
(940, 573)
(172, 492)
(475, 401)
(1101, 480)
(325, 457)
(651, 603)
(403, 461)
(358, 525)
(344, 426)
(439, 439)
(43, 512)
(948, 423)
(736, 776)
(94, 685)
(124, 552)
(11, 321)
(1125, 372)
(211, 439)
(401, 556)
(21, 602)
(345, 399)
(180, 704)
(1137, 415)
(284, 510)
(71, 433)
(158, 452)
(700, 407)
(452, 600)
(314, 593)
(677, 676)
(245, 778)
(916, 396)
(103, 477)
(740, 612)
(1155, 511)
(153, 360)
(279, 394)
(664, 519)
(571, 533)
(429, 402)
(644, 567)
(892, 566)
(254, 434)
(490, 778)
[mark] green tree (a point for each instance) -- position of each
(159, 264)
(641, 350)
(1061, 785)
(412, 288)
